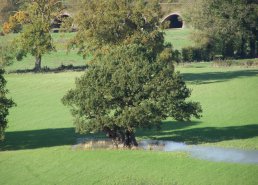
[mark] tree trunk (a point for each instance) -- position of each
(119, 136)
(38, 63)
(130, 140)
(253, 48)
(228, 50)
(134, 142)
(242, 52)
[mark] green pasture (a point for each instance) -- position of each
(37, 149)
(38, 142)
(61, 165)
(229, 97)
(179, 37)
(52, 60)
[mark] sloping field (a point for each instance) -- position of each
(37, 149)
(38, 142)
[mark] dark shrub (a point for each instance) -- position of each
(223, 63)
(196, 54)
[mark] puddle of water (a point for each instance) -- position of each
(225, 155)
(217, 154)
(167, 146)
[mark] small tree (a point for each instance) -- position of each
(35, 37)
(5, 104)
(129, 88)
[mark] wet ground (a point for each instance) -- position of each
(217, 154)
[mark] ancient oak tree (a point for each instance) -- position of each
(131, 82)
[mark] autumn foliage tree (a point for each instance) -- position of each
(35, 37)
(14, 24)
(7, 8)
(131, 82)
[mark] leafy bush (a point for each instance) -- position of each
(196, 54)
(5, 104)
(7, 54)
(249, 63)
(67, 25)
(223, 63)
(187, 55)
(230, 62)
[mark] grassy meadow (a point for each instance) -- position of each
(37, 149)
(179, 38)
(52, 60)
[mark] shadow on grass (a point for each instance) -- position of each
(38, 139)
(201, 135)
(174, 131)
(214, 77)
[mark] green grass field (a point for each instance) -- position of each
(180, 38)
(52, 60)
(37, 149)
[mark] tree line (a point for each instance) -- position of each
(225, 27)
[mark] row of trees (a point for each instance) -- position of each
(226, 27)
(223, 27)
